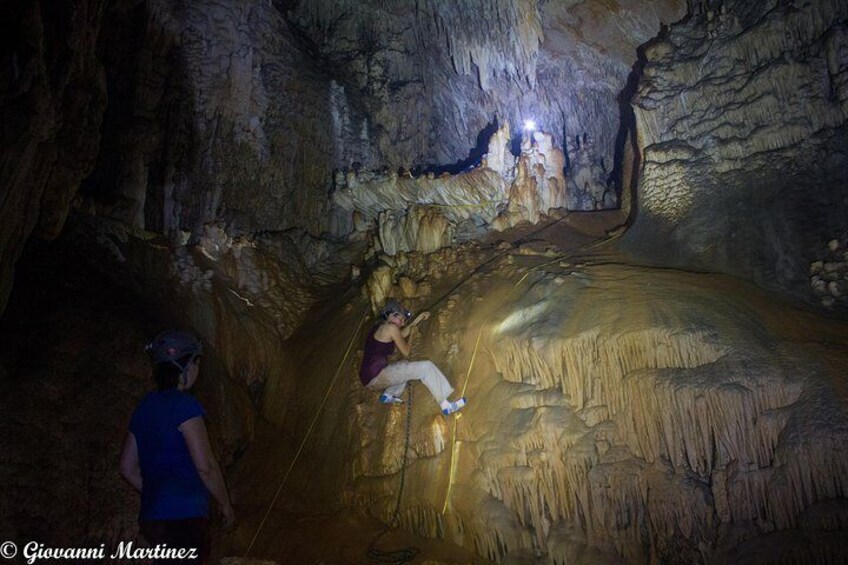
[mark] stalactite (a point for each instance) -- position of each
(502, 38)
(590, 368)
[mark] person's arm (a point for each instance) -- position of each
(130, 468)
(197, 440)
(399, 339)
(419, 318)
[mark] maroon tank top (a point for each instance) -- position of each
(375, 358)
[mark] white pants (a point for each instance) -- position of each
(392, 380)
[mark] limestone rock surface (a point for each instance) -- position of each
(617, 414)
(745, 165)
(219, 111)
(51, 104)
(427, 212)
(433, 74)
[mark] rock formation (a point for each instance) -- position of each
(426, 213)
(268, 174)
(762, 134)
(52, 103)
(592, 418)
(230, 114)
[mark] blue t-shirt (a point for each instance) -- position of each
(171, 489)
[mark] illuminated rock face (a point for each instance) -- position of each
(422, 213)
(428, 212)
(617, 414)
(435, 73)
(539, 184)
(745, 167)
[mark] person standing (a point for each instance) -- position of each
(167, 456)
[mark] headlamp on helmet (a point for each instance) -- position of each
(171, 346)
(394, 307)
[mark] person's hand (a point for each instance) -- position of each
(229, 515)
(422, 316)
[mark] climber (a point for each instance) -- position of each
(376, 373)
(167, 456)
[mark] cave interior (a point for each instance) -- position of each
(627, 220)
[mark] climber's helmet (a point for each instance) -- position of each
(172, 346)
(394, 307)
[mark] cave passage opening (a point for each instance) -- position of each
(474, 158)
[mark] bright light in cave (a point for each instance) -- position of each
(522, 317)
(529, 125)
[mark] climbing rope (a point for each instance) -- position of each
(406, 441)
(305, 437)
(454, 444)
(406, 554)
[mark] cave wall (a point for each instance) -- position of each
(742, 123)
(171, 115)
(434, 74)
(219, 116)
(617, 414)
(52, 96)
(165, 116)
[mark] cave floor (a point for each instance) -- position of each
(332, 539)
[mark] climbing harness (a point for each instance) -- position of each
(406, 554)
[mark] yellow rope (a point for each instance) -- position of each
(454, 444)
(302, 443)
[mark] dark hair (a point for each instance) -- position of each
(167, 374)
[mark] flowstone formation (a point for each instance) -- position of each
(427, 212)
(745, 165)
(617, 414)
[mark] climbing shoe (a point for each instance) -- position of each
(389, 399)
(452, 407)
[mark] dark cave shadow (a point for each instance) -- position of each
(475, 155)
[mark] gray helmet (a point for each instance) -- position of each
(170, 346)
(394, 307)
